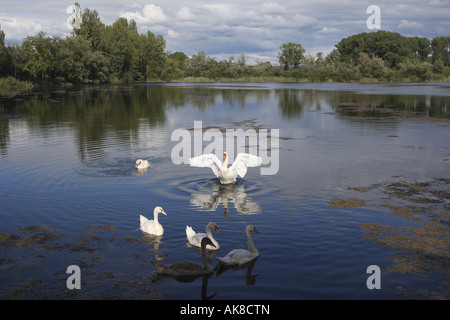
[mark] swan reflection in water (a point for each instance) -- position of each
(188, 271)
(156, 241)
(226, 194)
(250, 279)
(140, 172)
(241, 258)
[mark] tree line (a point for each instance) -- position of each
(117, 53)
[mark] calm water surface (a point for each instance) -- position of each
(364, 172)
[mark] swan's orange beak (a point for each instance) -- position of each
(224, 156)
(217, 230)
(163, 212)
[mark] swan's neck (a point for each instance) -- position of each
(155, 216)
(209, 234)
(206, 263)
(225, 163)
(251, 245)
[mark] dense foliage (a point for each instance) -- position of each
(97, 53)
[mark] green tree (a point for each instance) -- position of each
(5, 57)
(76, 63)
(371, 67)
(133, 56)
(120, 44)
(91, 28)
(151, 56)
(291, 55)
(262, 68)
(349, 48)
(420, 47)
(69, 66)
(180, 57)
(197, 65)
(390, 46)
(213, 69)
(174, 66)
(172, 70)
(415, 70)
(440, 48)
(39, 57)
(18, 58)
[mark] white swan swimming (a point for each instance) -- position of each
(153, 226)
(227, 175)
(186, 269)
(241, 256)
(142, 164)
(195, 239)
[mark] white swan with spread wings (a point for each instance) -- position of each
(227, 175)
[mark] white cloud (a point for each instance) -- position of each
(272, 8)
(408, 25)
(303, 21)
(232, 27)
(133, 5)
(219, 10)
(172, 34)
(185, 14)
(15, 29)
(151, 14)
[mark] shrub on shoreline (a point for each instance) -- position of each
(13, 83)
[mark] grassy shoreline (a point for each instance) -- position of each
(296, 80)
(13, 83)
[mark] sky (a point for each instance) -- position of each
(230, 28)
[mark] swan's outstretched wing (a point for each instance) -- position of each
(207, 160)
(243, 161)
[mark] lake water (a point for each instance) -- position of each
(360, 176)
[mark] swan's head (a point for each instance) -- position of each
(252, 228)
(213, 226)
(138, 162)
(224, 155)
(160, 210)
(206, 241)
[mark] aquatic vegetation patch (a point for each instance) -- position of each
(435, 191)
(356, 110)
(29, 236)
(364, 189)
(34, 260)
(338, 203)
(424, 245)
(370, 110)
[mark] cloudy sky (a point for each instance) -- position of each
(225, 28)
